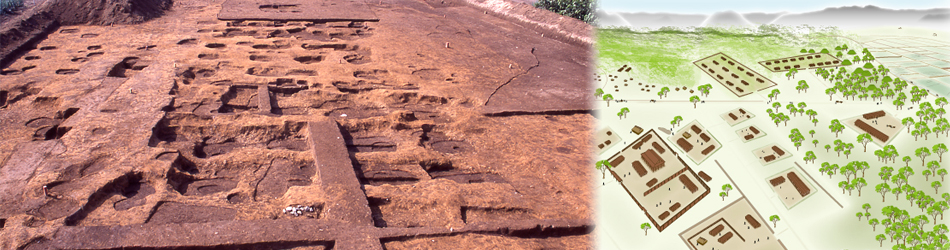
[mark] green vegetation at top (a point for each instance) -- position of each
(10, 6)
(665, 56)
(579, 9)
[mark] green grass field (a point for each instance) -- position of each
(665, 56)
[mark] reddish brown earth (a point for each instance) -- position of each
(406, 124)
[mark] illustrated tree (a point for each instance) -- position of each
(859, 183)
(827, 147)
(836, 127)
(825, 50)
(802, 86)
(851, 52)
(910, 193)
(694, 99)
(844, 185)
(603, 165)
(922, 152)
(776, 105)
(864, 139)
(829, 91)
(620, 115)
(775, 93)
(774, 219)
(810, 156)
(926, 173)
(941, 206)
(873, 223)
(846, 62)
(936, 185)
(705, 89)
(676, 120)
(933, 211)
(897, 191)
(859, 214)
(866, 207)
(598, 92)
(646, 227)
(624, 111)
(933, 166)
(942, 173)
(908, 122)
(607, 98)
(831, 170)
(939, 149)
(882, 189)
(880, 238)
(804, 51)
(726, 188)
(847, 150)
(906, 160)
(815, 142)
(664, 92)
(886, 173)
(814, 122)
(723, 195)
(940, 101)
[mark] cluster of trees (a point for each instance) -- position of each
(793, 109)
(802, 86)
(10, 6)
(925, 114)
(623, 112)
(704, 89)
(725, 191)
(911, 232)
(836, 127)
(858, 83)
(796, 137)
(579, 9)
(676, 121)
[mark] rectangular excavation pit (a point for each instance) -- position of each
(240, 99)
(127, 67)
(177, 213)
(280, 176)
(199, 137)
(472, 214)
(378, 174)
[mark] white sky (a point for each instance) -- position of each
(747, 6)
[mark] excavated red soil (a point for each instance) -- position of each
(405, 124)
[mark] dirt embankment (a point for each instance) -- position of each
(31, 26)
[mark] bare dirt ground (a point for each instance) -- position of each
(433, 125)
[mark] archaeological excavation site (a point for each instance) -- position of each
(294, 124)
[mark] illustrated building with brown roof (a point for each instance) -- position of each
(659, 181)
(738, 225)
(882, 126)
(694, 136)
(790, 187)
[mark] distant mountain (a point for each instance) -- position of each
(844, 17)
(935, 18)
(727, 19)
(606, 19)
(859, 17)
(762, 18)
